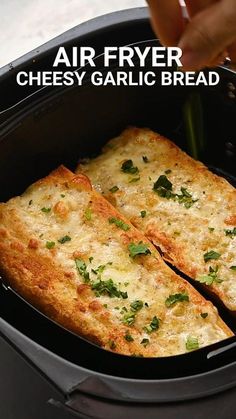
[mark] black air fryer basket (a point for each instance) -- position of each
(41, 128)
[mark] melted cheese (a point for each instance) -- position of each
(183, 234)
(49, 211)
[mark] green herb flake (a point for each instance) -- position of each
(107, 287)
(128, 167)
(211, 255)
(64, 239)
(143, 213)
(145, 159)
(114, 189)
(231, 233)
(119, 223)
(105, 305)
(112, 344)
(82, 269)
(211, 229)
(90, 259)
(50, 245)
(136, 305)
(123, 310)
(175, 298)
(99, 270)
(185, 198)
(233, 268)
(153, 326)
(45, 210)
(163, 187)
(168, 171)
(62, 195)
(191, 343)
(204, 315)
(145, 342)
(138, 249)
(31, 202)
(88, 214)
(128, 337)
(135, 179)
(211, 278)
(129, 318)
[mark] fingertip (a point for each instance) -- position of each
(167, 20)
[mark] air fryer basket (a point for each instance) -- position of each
(40, 129)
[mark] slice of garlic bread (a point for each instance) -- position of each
(71, 254)
(183, 208)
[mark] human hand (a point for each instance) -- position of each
(208, 37)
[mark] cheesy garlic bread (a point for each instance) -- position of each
(188, 212)
(66, 250)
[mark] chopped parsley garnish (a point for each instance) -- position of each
(129, 318)
(211, 229)
(88, 214)
(204, 315)
(154, 325)
(105, 305)
(211, 255)
(233, 268)
(145, 342)
(107, 287)
(135, 179)
(46, 210)
(50, 245)
(62, 195)
(128, 167)
(211, 277)
(64, 239)
(112, 344)
(90, 259)
(167, 172)
(123, 310)
(31, 202)
(82, 269)
(145, 159)
(163, 187)
(185, 198)
(175, 298)
(138, 249)
(128, 337)
(136, 305)
(99, 270)
(143, 213)
(230, 233)
(119, 223)
(192, 343)
(114, 189)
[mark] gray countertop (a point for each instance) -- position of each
(27, 24)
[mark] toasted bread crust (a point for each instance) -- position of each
(55, 210)
(183, 234)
